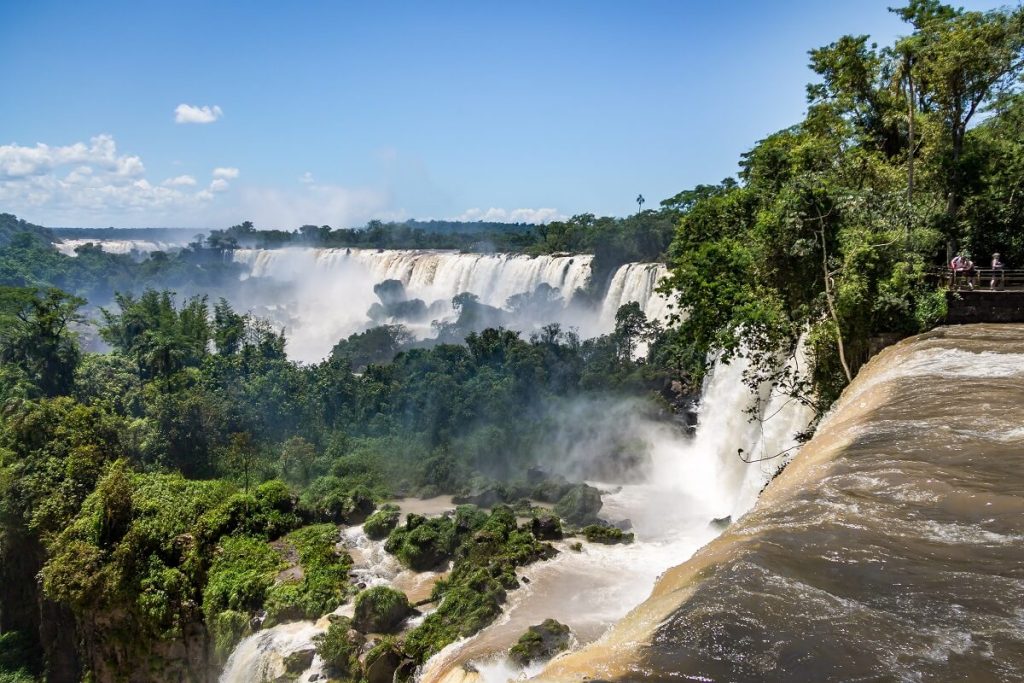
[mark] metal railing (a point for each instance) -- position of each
(984, 279)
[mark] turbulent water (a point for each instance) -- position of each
(892, 548)
(333, 288)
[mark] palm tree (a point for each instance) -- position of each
(640, 203)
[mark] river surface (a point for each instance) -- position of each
(891, 549)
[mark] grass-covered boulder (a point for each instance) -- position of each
(609, 535)
(380, 609)
(421, 543)
(317, 580)
(541, 642)
(380, 523)
(579, 507)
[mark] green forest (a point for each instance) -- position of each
(153, 495)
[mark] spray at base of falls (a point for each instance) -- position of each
(692, 483)
(333, 288)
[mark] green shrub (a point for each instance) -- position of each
(240, 578)
(338, 649)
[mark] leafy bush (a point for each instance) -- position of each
(339, 649)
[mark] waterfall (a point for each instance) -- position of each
(427, 274)
(332, 289)
(636, 282)
(68, 246)
(261, 656)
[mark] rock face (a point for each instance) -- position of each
(580, 505)
(380, 610)
(541, 642)
(299, 661)
(546, 528)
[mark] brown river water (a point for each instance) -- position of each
(891, 549)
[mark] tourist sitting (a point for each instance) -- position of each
(962, 265)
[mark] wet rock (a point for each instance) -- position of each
(624, 524)
(721, 523)
(381, 665)
(546, 528)
(298, 661)
(551, 490)
(541, 642)
(486, 497)
(580, 505)
(536, 475)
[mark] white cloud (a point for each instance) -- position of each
(187, 113)
(228, 173)
(306, 178)
(494, 215)
(218, 185)
(18, 162)
(90, 184)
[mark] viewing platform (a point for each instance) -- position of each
(985, 296)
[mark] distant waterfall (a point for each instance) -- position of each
(334, 287)
(428, 275)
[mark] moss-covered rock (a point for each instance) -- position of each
(380, 610)
(609, 535)
(580, 505)
(541, 642)
(380, 523)
(423, 544)
(382, 661)
(550, 489)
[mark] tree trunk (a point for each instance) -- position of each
(832, 306)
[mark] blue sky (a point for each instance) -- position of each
(337, 112)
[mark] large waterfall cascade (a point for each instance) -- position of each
(333, 288)
(328, 292)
